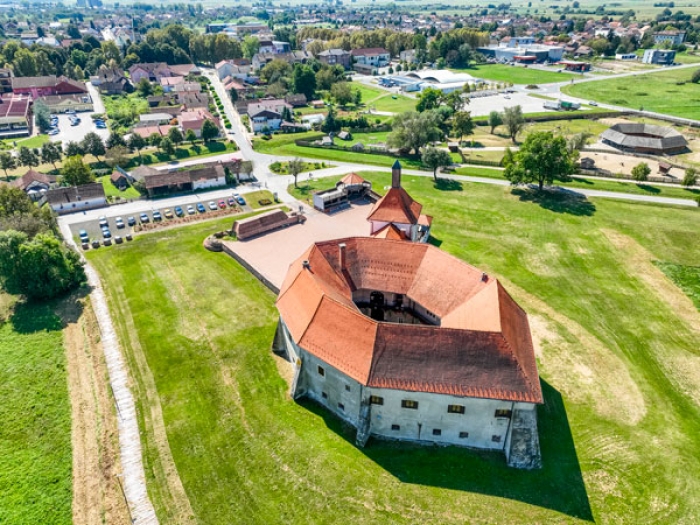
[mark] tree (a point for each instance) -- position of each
(330, 123)
(51, 153)
(115, 139)
(191, 136)
(357, 97)
(144, 88)
(75, 172)
(690, 179)
(19, 212)
(233, 95)
(275, 70)
(117, 156)
(304, 81)
(136, 143)
(92, 145)
(429, 98)
(175, 135)
(295, 167)
(38, 268)
(42, 116)
(495, 120)
(342, 93)
(166, 146)
(7, 162)
(27, 157)
(641, 172)
(454, 101)
(542, 158)
(513, 120)
(412, 131)
(209, 130)
(73, 148)
(579, 141)
(435, 158)
(250, 46)
(462, 124)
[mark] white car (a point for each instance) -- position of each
(213, 206)
(190, 210)
(119, 222)
(592, 103)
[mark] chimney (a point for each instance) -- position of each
(306, 265)
(484, 277)
(341, 255)
(396, 175)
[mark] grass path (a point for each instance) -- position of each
(617, 351)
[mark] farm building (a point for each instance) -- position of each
(406, 342)
(645, 138)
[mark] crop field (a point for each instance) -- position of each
(617, 345)
(669, 92)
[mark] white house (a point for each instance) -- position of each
(374, 57)
(403, 341)
(76, 198)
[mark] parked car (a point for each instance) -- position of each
(168, 213)
(190, 210)
(222, 204)
(212, 206)
(119, 222)
(103, 221)
(157, 216)
(592, 103)
(100, 124)
(131, 221)
(83, 236)
(144, 217)
(178, 211)
(240, 200)
(231, 201)
(106, 233)
(70, 112)
(54, 131)
(201, 208)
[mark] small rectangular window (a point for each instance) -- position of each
(496, 439)
(347, 388)
(395, 427)
(455, 409)
(437, 432)
(409, 403)
(376, 400)
(502, 413)
(324, 395)
(321, 371)
(463, 435)
(341, 406)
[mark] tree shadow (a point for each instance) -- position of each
(584, 181)
(649, 189)
(443, 184)
(38, 316)
(558, 485)
(558, 200)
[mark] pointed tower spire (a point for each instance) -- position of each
(396, 175)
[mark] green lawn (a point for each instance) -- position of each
(124, 110)
(112, 191)
(618, 357)
(687, 278)
(382, 100)
(253, 198)
(35, 433)
(516, 74)
(659, 92)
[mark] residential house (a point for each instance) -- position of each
(260, 60)
(34, 183)
(662, 57)
(229, 68)
(76, 198)
(168, 83)
(335, 57)
(674, 38)
(194, 119)
(296, 100)
(373, 57)
(63, 103)
(119, 179)
(111, 81)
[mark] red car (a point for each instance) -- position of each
(222, 204)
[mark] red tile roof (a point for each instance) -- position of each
(352, 178)
(390, 232)
(482, 348)
(396, 206)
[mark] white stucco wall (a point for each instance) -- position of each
(209, 183)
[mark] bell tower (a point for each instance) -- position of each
(396, 175)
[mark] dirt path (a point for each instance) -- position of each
(97, 496)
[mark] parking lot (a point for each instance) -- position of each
(94, 231)
(69, 133)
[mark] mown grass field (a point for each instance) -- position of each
(35, 433)
(516, 74)
(659, 92)
(617, 347)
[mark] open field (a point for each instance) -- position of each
(658, 92)
(516, 74)
(618, 354)
(112, 191)
(35, 434)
